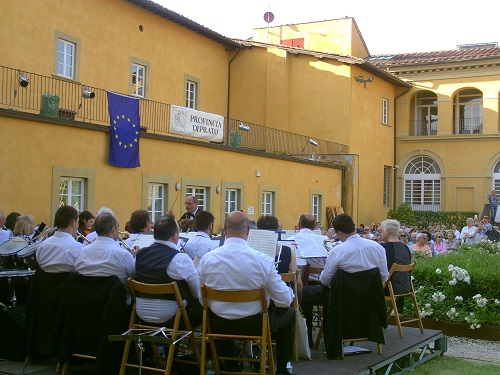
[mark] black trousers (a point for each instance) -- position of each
(281, 321)
(316, 295)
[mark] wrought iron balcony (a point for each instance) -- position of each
(32, 93)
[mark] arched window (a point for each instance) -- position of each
(496, 178)
(422, 184)
(468, 112)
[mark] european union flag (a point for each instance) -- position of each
(125, 130)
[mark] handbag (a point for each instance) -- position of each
(302, 340)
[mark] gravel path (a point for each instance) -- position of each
(481, 350)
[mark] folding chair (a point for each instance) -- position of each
(291, 277)
(262, 338)
(160, 289)
(393, 298)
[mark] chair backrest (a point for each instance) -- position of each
(401, 268)
(291, 277)
(155, 289)
(234, 296)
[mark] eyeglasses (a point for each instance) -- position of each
(439, 236)
(367, 230)
(404, 235)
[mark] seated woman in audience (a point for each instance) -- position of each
(451, 241)
(403, 236)
(439, 244)
(25, 227)
(421, 246)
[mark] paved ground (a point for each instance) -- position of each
(481, 350)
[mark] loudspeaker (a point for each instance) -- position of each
(13, 334)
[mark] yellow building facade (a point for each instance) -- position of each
(447, 144)
(303, 129)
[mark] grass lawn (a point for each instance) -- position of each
(456, 366)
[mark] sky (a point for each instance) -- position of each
(390, 26)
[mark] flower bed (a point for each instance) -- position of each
(462, 286)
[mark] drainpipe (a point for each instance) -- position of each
(229, 82)
(394, 161)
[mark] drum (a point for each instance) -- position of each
(14, 287)
(8, 253)
(27, 257)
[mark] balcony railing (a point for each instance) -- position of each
(472, 125)
(155, 117)
(423, 127)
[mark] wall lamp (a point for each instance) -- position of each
(363, 80)
(23, 80)
(87, 94)
(243, 127)
(310, 141)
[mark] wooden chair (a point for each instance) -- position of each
(393, 298)
(291, 277)
(262, 338)
(160, 289)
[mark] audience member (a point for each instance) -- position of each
(451, 242)
(468, 234)
(483, 226)
(421, 245)
(439, 244)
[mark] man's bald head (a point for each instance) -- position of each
(307, 221)
(236, 225)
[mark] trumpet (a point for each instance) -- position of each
(326, 242)
(79, 235)
(124, 235)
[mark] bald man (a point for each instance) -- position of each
(236, 266)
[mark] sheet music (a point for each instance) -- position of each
(144, 240)
(264, 241)
(310, 245)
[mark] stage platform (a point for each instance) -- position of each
(399, 354)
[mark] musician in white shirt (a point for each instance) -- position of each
(58, 253)
(4, 233)
(236, 266)
(201, 244)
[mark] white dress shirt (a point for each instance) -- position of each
(236, 266)
(104, 257)
(181, 267)
(5, 235)
(199, 245)
(58, 253)
(355, 254)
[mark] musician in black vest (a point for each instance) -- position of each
(162, 263)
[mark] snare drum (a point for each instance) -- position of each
(14, 287)
(8, 253)
(27, 257)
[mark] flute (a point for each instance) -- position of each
(79, 235)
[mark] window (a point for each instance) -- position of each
(496, 178)
(426, 114)
(385, 111)
(138, 80)
(316, 206)
(267, 203)
(71, 192)
(66, 55)
(232, 201)
(422, 184)
(199, 192)
(191, 94)
(387, 186)
(156, 200)
(66, 59)
(468, 112)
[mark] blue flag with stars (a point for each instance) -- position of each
(125, 130)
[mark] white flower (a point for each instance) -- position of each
(438, 271)
(453, 282)
(497, 302)
(481, 302)
(459, 298)
(467, 280)
(427, 305)
(450, 267)
(471, 326)
(438, 297)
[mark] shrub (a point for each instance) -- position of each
(403, 213)
(460, 286)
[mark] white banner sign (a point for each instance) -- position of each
(187, 121)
